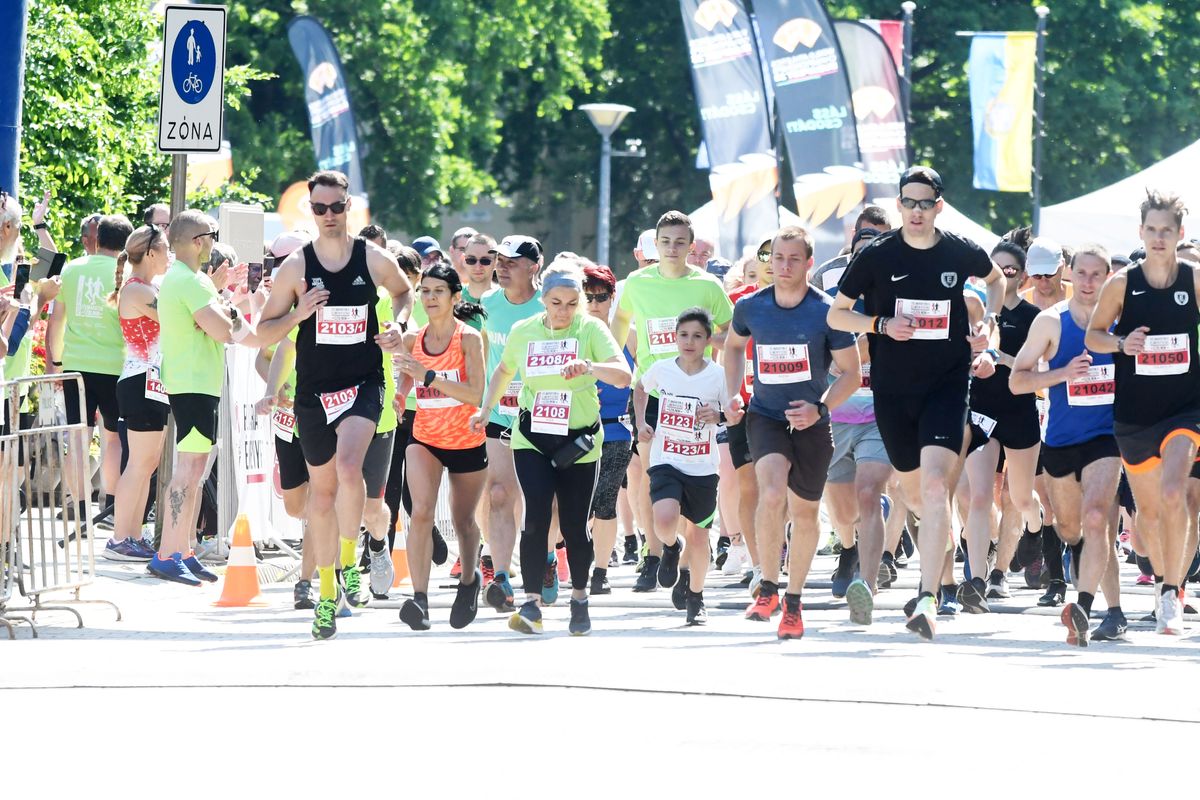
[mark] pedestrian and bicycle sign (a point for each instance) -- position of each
(191, 104)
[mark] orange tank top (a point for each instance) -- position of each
(441, 421)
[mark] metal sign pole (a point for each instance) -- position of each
(1039, 130)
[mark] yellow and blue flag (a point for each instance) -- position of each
(1001, 71)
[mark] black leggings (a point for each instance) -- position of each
(540, 484)
(614, 461)
(396, 490)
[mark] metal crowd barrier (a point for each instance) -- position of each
(41, 551)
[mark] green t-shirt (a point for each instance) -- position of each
(594, 342)
(192, 361)
(502, 316)
(18, 365)
(387, 420)
(92, 341)
(655, 302)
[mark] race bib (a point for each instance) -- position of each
(748, 377)
(660, 332)
(1043, 409)
(341, 324)
(338, 403)
(983, 422)
(551, 412)
(1167, 354)
(683, 441)
(783, 363)
(864, 380)
(154, 387)
(930, 317)
(429, 397)
(549, 357)
(508, 401)
(1094, 390)
(626, 422)
(283, 422)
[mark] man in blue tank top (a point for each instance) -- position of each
(1079, 454)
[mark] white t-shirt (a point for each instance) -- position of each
(680, 440)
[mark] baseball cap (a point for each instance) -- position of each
(288, 242)
(520, 247)
(647, 246)
(424, 245)
(1044, 256)
(863, 233)
(925, 175)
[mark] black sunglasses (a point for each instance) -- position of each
(764, 256)
(600, 297)
(320, 209)
(214, 234)
(912, 202)
(472, 261)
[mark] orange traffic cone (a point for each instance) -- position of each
(241, 574)
(400, 556)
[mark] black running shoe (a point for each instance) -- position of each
(1033, 573)
(972, 596)
(679, 592)
(581, 621)
(697, 614)
(466, 602)
(1055, 596)
(668, 566)
(1029, 548)
(440, 551)
(906, 539)
(910, 606)
(415, 615)
(648, 579)
(723, 543)
(630, 555)
(887, 572)
(1112, 628)
(600, 583)
(847, 568)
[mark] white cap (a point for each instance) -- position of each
(1044, 257)
(288, 242)
(647, 246)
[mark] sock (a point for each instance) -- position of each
(997, 575)
(697, 595)
(767, 588)
(109, 501)
(1052, 553)
(376, 545)
(652, 559)
(552, 557)
(1116, 610)
(421, 599)
(924, 594)
(1169, 589)
(347, 553)
(501, 577)
(792, 596)
(600, 572)
(674, 548)
(328, 583)
(631, 540)
(1085, 602)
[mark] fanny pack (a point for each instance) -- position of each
(562, 450)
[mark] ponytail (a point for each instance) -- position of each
(468, 311)
(136, 247)
(118, 279)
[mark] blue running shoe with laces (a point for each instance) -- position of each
(199, 570)
(172, 569)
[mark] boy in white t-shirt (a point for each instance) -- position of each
(684, 459)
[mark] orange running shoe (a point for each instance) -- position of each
(763, 608)
(791, 624)
(456, 570)
(488, 570)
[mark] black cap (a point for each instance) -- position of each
(925, 175)
(520, 247)
(863, 233)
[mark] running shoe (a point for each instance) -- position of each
(1076, 620)
(648, 579)
(415, 614)
(614, 560)
(382, 572)
(488, 569)
(466, 602)
(1145, 580)
(124, 550)
(172, 569)
(1055, 596)
(737, 559)
(723, 545)
(343, 608)
(997, 588)
(832, 546)
(324, 625)
(910, 607)
(499, 593)
(860, 601)
(887, 572)
(668, 565)
(1068, 559)
(550, 581)
(1029, 548)
(763, 608)
(949, 606)
(600, 584)
(679, 592)
(350, 580)
(847, 570)
(906, 539)
(755, 581)
(302, 596)
(528, 619)
(697, 614)
(1170, 614)
(1112, 628)
(972, 596)
(581, 621)
(791, 624)
(923, 621)
(564, 568)
(440, 551)
(196, 568)
(456, 570)
(631, 550)
(104, 520)
(1033, 573)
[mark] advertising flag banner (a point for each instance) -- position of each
(878, 112)
(1001, 72)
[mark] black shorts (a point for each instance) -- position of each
(909, 422)
(1014, 428)
(456, 462)
(1059, 462)
(99, 394)
(809, 451)
(614, 465)
(377, 464)
(1141, 447)
(499, 432)
(140, 412)
(195, 421)
(739, 445)
(319, 438)
(696, 494)
(293, 472)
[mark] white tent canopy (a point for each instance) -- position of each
(1110, 216)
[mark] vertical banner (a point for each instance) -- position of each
(812, 96)
(878, 111)
(334, 138)
(1001, 71)
(12, 90)
(253, 450)
(733, 113)
(892, 33)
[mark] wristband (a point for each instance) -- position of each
(41, 226)
(430, 377)
(1121, 345)
(822, 409)
(881, 325)
(56, 363)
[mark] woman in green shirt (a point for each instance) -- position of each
(558, 356)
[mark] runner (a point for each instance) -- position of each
(329, 289)
(444, 359)
(479, 264)
(1045, 265)
(140, 396)
(683, 457)
(1080, 455)
(921, 355)
(1156, 402)
(558, 356)
(458, 252)
(788, 419)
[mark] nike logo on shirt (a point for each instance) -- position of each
(898, 277)
(1135, 292)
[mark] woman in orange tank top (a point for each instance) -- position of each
(444, 360)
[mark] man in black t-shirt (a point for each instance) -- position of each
(911, 281)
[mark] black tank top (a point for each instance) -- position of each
(335, 347)
(1162, 381)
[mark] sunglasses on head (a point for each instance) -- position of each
(912, 202)
(483, 260)
(321, 209)
(599, 297)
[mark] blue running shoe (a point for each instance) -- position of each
(199, 570)
(172, 569)
(125, 550)
(528, 619)
(885, 503)
(550, 581)
(1068, 562)
(948, 607)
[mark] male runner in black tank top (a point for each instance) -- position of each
(1156, 403)
(329, 290)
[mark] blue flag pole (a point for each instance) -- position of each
(12, 86)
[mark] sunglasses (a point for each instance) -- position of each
(602, 297)
(321, 209)
(213, 234)
(471, 261)
(764, 256)
(1041, 277)
(912, 202)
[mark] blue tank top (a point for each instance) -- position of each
(614, 405)
(1079, 410)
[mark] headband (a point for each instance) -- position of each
(561, 280)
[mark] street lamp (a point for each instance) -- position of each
(607, 117)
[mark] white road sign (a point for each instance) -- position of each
(191, 103)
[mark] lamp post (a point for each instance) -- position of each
(607, 117)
